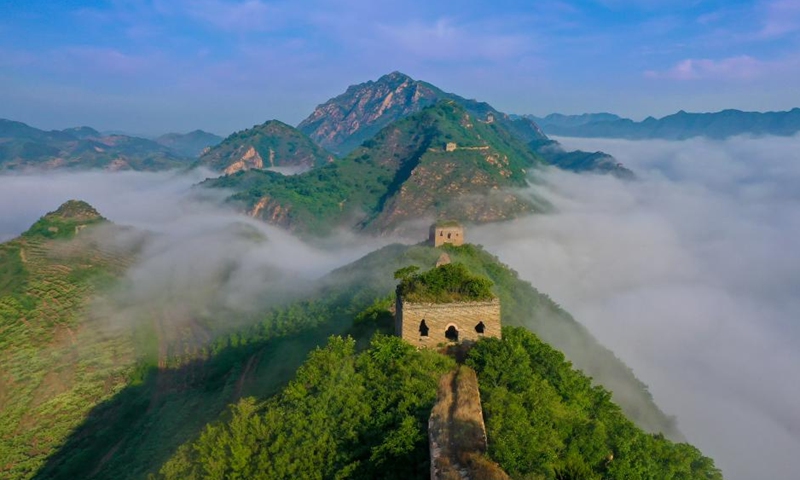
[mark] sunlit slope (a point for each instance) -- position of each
(55, 364)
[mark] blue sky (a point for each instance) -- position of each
(222, 65)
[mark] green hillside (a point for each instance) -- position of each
(271, 144)
(404, 173)
(57, 363)
(364, 415)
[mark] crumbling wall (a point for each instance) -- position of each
(456, 432)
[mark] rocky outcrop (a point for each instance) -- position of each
(344, 122)
(250, 159)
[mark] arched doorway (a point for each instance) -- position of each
(480, 328)
(423, 328)
(451, 333)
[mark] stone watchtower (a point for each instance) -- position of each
(428, 324)
(446, 232)
(446, 304)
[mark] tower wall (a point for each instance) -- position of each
(464, 316)
(439, 235)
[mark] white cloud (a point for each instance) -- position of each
(691, 275)
(200, 258)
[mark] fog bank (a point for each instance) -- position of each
(200, 257)
(692, 276)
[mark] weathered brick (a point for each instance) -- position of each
(438, 317)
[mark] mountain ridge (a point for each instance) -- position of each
(24, 147)
(683, 125)
(407, 171)
(347, 120)
(191, 144)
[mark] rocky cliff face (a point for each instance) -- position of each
(343, 122)
(271, 144)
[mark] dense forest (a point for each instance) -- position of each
(364, 415)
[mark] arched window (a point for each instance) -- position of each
(423, 329)
(480, 328)
(451, 333)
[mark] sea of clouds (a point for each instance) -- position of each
(691, 275)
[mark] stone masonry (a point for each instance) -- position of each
(431, 324)
(441, 234)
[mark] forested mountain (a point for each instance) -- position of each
(271, 144)
(89, 393)
(351, 414)
(440, 162)
(25, 147)
(190, 144)
(683, 125)
(344, 122)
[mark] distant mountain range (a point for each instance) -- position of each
(679, 126)
(191, 144)
(25, 147)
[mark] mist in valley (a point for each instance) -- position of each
(198, 260)
(691, 275)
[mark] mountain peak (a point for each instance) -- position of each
(66, 221)
(395, 76)
(77, 210)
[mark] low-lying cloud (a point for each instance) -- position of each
(200, 257)
(692, 276)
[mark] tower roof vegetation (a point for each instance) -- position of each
(448, 283)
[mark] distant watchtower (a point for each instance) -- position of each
(446, 232)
